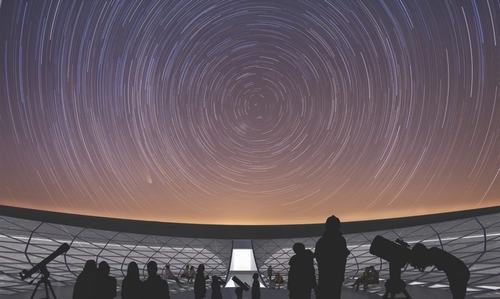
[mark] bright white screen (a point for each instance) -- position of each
(243, 260)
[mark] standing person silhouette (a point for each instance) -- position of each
(255, 286)
(86, 281)
(270, 273)
(155, 287)
(132, 287)
(456, 271)
(216, 285)
(239, 293)
(331, 254)
(301, 276)
(170, 275)
(106, 284)
(200, 287)
(191, 274)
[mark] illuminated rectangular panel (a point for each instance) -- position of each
(243, 260)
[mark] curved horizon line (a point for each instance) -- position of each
(226, 231)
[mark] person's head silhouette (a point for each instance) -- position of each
(255, 276)
(103, 268)
(90, 266)
(419, 258)
(152, 268)
(332, 223)
(299, 248)
(133, 270)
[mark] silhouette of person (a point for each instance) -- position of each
(369, 275)
(456, 271)
(301, 276)
(86, 281)
(106, 284)
(132, 286)
(216, 287)
(191, 274)
(278, 280)
(331, 254)
(239, 293)
(185, 272)
(270, 273)
(255, 286)
(155, 287)
(170, 275)
(200, 287)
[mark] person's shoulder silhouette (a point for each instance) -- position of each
(154, 286)
(132, 287)
(86, 281)
(106, 285)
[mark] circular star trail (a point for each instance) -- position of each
(250, 112)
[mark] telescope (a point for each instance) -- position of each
(240, 283)
(398, 254)
(42, 266)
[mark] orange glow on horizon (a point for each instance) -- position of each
(345, 217)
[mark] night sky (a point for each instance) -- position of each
(250, 112)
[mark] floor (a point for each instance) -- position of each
(347, 293)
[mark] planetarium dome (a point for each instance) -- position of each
(223, 132)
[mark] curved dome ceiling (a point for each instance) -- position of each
(250, 112)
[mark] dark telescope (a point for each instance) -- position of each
(398, 254)
(42, 266)
(240, 283)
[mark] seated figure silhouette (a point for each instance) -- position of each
(132, 287)
(278, 280)
(217, 283)
(302, 275)
(171, 276)
(255, 286)
(369, 276)
(200, 287)
(457, 272)
(86, 282)
(154, 286)
(331, 254)
(106, 284)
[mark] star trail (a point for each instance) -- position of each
(250, 112)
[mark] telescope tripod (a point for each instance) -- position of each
(46, 282)
(395, 285)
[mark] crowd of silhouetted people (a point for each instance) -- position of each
(330, 253)
(95, 282)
